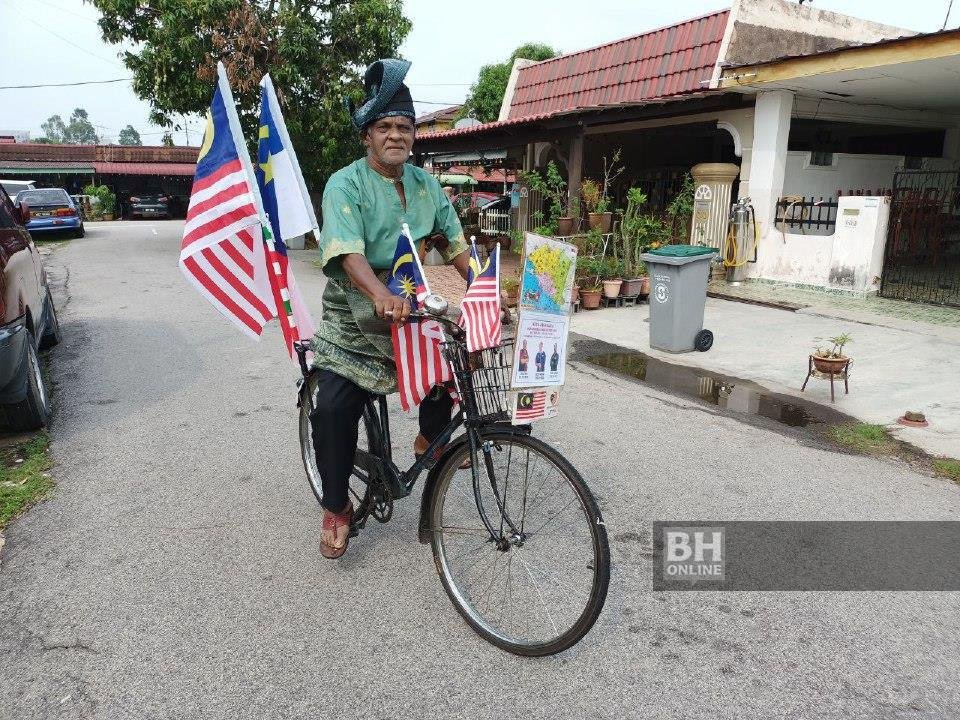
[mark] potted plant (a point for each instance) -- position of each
(106, 201)
(639, 232)
(831, 359)
(567, 223)
(591, 193)
(510, 288)
(554, 188)
(611, 171)
(590, 271)
(612, 277)
(638, 282)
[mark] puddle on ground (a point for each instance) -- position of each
(741, 396)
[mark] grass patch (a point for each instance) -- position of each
(24, 479)
(862, 437)
(948, 467)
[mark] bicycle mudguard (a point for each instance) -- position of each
(423, 532)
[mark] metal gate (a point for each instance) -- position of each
(922, 259)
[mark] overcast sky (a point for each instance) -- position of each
(50, 41)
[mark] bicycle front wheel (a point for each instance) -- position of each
(532, 578)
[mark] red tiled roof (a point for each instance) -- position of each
(482, 128)
(655, 64)
(135, 168)
(99, 153)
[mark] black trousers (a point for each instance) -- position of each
(335, 420)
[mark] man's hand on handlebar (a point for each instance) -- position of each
(393, 308)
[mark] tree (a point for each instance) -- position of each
(315, 50)
(486, 94)
(167, 140)
(54, 130)
(130, 136)
(79, 131)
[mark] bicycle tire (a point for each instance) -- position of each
(459, 596)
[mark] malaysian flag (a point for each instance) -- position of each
(480, 307)
(222, 253)
(530, 406)
(416, 343)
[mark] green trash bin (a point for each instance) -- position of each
(678, 293)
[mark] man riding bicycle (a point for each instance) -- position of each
(364, 205)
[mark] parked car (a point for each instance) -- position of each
(14, 186)
(153, 202)
(28, 322)
(51, 210)
(472, 200)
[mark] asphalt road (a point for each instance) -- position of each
(175, 571)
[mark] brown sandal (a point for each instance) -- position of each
(423, 444)
(333, 522)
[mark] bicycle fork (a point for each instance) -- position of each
(496, 534)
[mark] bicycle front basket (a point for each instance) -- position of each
(485, 376)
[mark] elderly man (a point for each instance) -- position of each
(364, 205)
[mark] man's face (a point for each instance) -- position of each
(390, 140)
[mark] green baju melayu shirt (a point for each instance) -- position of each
(362, 213)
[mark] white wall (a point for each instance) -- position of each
(848, 171)
(850, 259)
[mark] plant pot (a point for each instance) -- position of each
(596, 221)
(607, 222)
(645, 285)
(590, 299)
(565, 226)
(631, 287)
(575, 294)
(108, 216)
(511, 298)
(830, 365)
(611, 288)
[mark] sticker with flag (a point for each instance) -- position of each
(480, 307)
(222, 253)
(289, 211)
(530, 405)
(416, 343)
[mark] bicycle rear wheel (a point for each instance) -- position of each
(538, 585)
(358, 491)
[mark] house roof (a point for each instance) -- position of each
(445, 114)
(98, 153)
(669, 61)
(138, 168)
(41, 167)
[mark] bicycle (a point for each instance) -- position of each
(481, 519)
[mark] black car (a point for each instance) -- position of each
(154, 203)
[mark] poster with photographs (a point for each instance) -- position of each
(540, 350)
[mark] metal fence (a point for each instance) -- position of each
(495, 222)
(816, 216)
(922, 257)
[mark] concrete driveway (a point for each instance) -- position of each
(175, 571)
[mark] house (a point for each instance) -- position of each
(822, 116)
(438, 120)
(127, 169)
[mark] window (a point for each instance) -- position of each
(821, 158)
(913, 163)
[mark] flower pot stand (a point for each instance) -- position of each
(631, 300)
(843, 373)
(612, 302)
